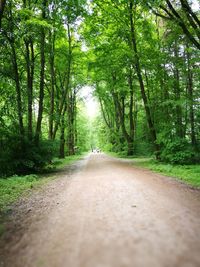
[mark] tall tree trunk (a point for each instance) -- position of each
(129, 139)
(42, 73)
(177, 89)
(52, 93)
(131, 104)
(18, 90)
(105, 114)
(190, 14)
(190, 96)
(64, 96)
(11, 41)
(62, 133)
(131, 117)
(179, 20)
(30, 74)
(142, 87)
(71, 118)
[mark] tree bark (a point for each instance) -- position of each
(182, 24)
(30, 75)
(190, 96)
(142, 87)
(71, 120)
(64, 96)
(18, 90)
(16, 76)
(62, 134)
(129, 139)
(131, 104)
(42, 73)
(52, 93)
(173, 15)
(188, 9)
(177, 89)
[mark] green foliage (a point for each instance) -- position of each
(22, 156)
(36, 22)
(83, 142)
(178, 151)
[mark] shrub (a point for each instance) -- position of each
(178, 151)
(17, 157)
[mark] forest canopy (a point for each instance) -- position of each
(141, 58)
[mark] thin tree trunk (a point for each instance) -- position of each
(186, 7)
(70, 116)
(64, 96)
(177, 89)
(11, 40)
(62, 134)
(105, 116)
(142, 88)
(42, 73)
(129, 139)
(190, 96)
(30, 61)
(18, 90)
(52, 94)
(175, 15)
(131, 104)
(30, 74)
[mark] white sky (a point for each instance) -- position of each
(91, 103)
(195, 5)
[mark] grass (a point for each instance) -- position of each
(12, 188)
(61, 163)
(189, 174)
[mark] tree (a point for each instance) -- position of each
(187, 20)
(2, 6)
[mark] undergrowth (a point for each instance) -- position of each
(13, 187)
(190, 174)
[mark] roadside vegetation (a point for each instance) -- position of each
(189, 174)
(13, 187)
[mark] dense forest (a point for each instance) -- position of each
(140, 57)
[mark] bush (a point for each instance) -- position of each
(178, 151)
(17, 157)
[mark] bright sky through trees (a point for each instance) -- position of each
(195, 5)
(91, 104)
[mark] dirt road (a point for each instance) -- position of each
(110, 214)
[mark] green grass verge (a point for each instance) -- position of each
(189, 174)
(12, 188)
(61, 163)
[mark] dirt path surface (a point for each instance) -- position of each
(109, 214)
